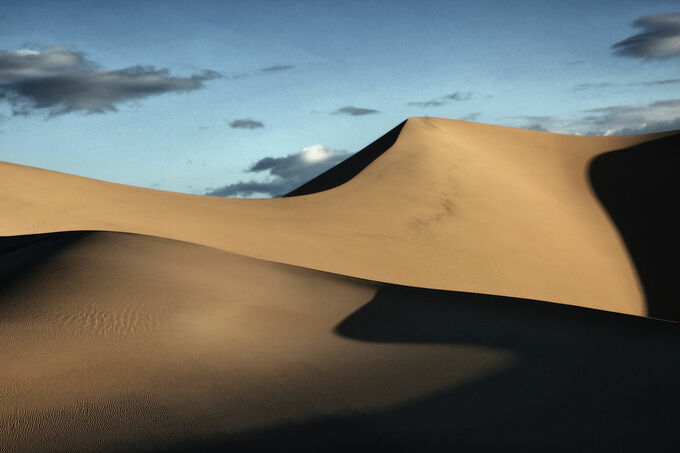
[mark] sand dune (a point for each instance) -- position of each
(401, 300)
(451, 205)
(117, 342)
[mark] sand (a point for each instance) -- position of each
(466, 289)
(451, 205)
(118, 341)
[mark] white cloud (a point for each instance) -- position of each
(315, 153)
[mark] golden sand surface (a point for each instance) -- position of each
(451, 205)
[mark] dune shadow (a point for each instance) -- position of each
(640, 189)
(585, 380)
(20, 255)
(350, 167)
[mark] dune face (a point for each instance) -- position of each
(453, 286)
(115, 341)
(640, 189)
(451, 205)
(350, 167)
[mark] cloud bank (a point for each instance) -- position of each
(60, 81)
(658, 116)
(626, 119)
(285, 173)
(659, 39)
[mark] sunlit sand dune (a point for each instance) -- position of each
(451, 205)
(122, 341)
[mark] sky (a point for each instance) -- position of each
(255, 97)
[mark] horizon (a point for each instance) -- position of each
(227, 97)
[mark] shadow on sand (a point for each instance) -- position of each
(350, 167)
(21, 253)
(586, 380)
(640, 188)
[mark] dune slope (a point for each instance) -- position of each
(120, 342)
(451, 205)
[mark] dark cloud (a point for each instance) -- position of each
(61, 81)
(354, 111)
(246, 123)
(442, 100)
(277, 67)
(659, 39)
(285, 173)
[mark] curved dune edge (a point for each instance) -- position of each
(350, 167)
(122, 342)
(451, 205)
(119, 342)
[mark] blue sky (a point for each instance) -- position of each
(178, 98)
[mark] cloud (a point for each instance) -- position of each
(277, 67)
(603, 85)
(659, 116)
(354, 111)
(442, 100)
(662, 82)
(285, 173)
(471, 116)
(246, 123)
(540, 123)
(535, 127)
(61, 81)
(591, 86)
(659, 39)
(432, 103)
(459, 96)
(626, 119)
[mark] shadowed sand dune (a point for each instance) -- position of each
(451, 205)
(403, 300)
(640, 187)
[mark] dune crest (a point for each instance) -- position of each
(450, 205)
